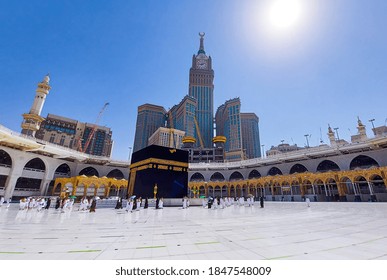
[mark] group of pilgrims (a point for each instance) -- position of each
(63, 204)
(135, 204)
(223, 202)
(132, 203)
(34, 203)
(2, 201)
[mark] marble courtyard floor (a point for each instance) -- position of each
(281, 230)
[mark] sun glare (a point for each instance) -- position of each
(284, 14)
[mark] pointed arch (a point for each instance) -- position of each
(89, 171)
(298, 168)
(236, 176)
(197, 177)
(327, 165)
(63, 169)
(115, 173)
(217, 176)
(274, 171)
(254, 174)
(363, 162)
(5, 159)
(36, 164)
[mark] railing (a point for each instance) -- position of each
(5, 165)
(33, 169)
(62, 174)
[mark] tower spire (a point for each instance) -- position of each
(201, 48)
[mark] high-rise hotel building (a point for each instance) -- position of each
(149, 118)
(201, 87)
(250, 135)
(228, 124)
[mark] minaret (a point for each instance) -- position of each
(361, 130)
(32, 120)
(331, 136)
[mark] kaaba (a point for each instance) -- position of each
(159, 171)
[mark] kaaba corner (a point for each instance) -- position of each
(157, 171)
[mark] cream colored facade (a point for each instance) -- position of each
(167, 137)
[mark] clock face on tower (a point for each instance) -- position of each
(201, 64)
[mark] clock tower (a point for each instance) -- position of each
(201, 87)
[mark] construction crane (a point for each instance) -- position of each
(172, 140)
(93, 130)
(199, 134)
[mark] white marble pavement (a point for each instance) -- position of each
(281, 230)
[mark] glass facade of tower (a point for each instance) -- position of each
(250, 135)
(182, 116)
(201, 87)
(204, 113)
(149, 119)
(228, 124)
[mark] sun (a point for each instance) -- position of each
(284, 14)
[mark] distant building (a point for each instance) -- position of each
(282, 148)
(380, 131)
(228, 123)
(182, 116)
(74, 134)
(250, 135)
(167, 137)
(149, 118)
(197, 154)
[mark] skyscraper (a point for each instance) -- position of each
(250, 135)
(228, 124)
(182, 116)
(201, 87)
(149, 119)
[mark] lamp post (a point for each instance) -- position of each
(307, 140)
(337, 132)
(130, 153)
(263, 150)
(372, 122)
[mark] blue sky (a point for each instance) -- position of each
(329, 68)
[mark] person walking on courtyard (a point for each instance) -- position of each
(261, 201)
(1, 201)
(129, 205)
(57, 203)
(8, 202)
(161, 203)
(138, 204)
(117, 204)
(48, 203)
(307, 200)
(146, 203)
(93, 205)
(157, 203)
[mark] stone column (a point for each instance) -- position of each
(373, 196)
(16, 173)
